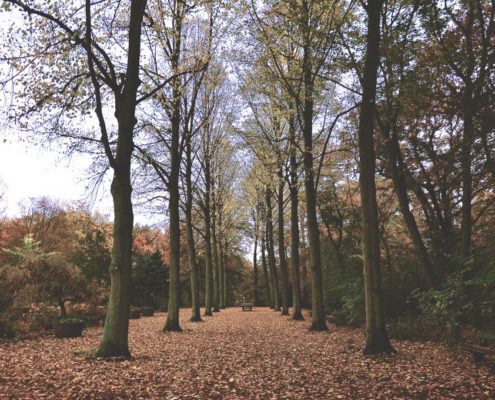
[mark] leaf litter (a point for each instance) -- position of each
(238, 355)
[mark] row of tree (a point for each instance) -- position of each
(305, 95)
(405, 106)
(166, 90)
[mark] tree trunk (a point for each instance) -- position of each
(400, 186)
(269, 292)
(172, 322)
(223, 254)
(467, 178)
(271, 252)
(294, 226)
(114, 342)
(281, 245)
(255, 270)
(191, 249)
(214, 240)
(304, 263)
(221, 271)
(207, 215)
(376, 335)
(63, 310)
(318, 312)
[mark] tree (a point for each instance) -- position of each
(310, 28)
(376, 335)
(34, 275)
(72, 35)
(149, 280)
(93, 257)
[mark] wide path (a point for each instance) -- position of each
(237, 355)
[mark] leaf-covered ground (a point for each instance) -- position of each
(238, 355)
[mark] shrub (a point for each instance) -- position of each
(353, 302)
(467, 295)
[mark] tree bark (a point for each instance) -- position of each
(221, 266)
(255, 270)
(271, 251)
(467, 178)
(214, 240)
(400, 186)
(172, 322)
(224, 268)
(114, 342)
(318, 312)
(191, 248)
(376, 335)
(304, 263)
(294, 226)
(207, 215)
(269, 292)
(281, 245)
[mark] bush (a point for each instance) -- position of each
(416, 329)
(353, 302)
(40, 317)
(467, 295)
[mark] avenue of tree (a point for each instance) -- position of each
(346, 145)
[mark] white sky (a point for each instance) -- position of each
(29, 171)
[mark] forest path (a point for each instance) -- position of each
(237, 355)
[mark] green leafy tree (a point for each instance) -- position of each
(93, 257)
(149, 280)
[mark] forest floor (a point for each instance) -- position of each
(238, 355)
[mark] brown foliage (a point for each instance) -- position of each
(238, 355)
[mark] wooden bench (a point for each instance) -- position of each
(247, 306)
(484, 346)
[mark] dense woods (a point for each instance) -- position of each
(334, 156)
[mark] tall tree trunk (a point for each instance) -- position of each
(191, 248)
(281, 245)
(318, 311)
(271, 252)
(224, 268)
(269, 292)
(467, 178)
(255, 270)
(172, 322)
(400, 186)
(304, 263)
(207, 215)
(294, 226)
(376, 335)
(221, 265)
(114, 342)
(214, 242)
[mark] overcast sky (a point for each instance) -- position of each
(29, 171)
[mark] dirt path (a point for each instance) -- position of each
(237, 355)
